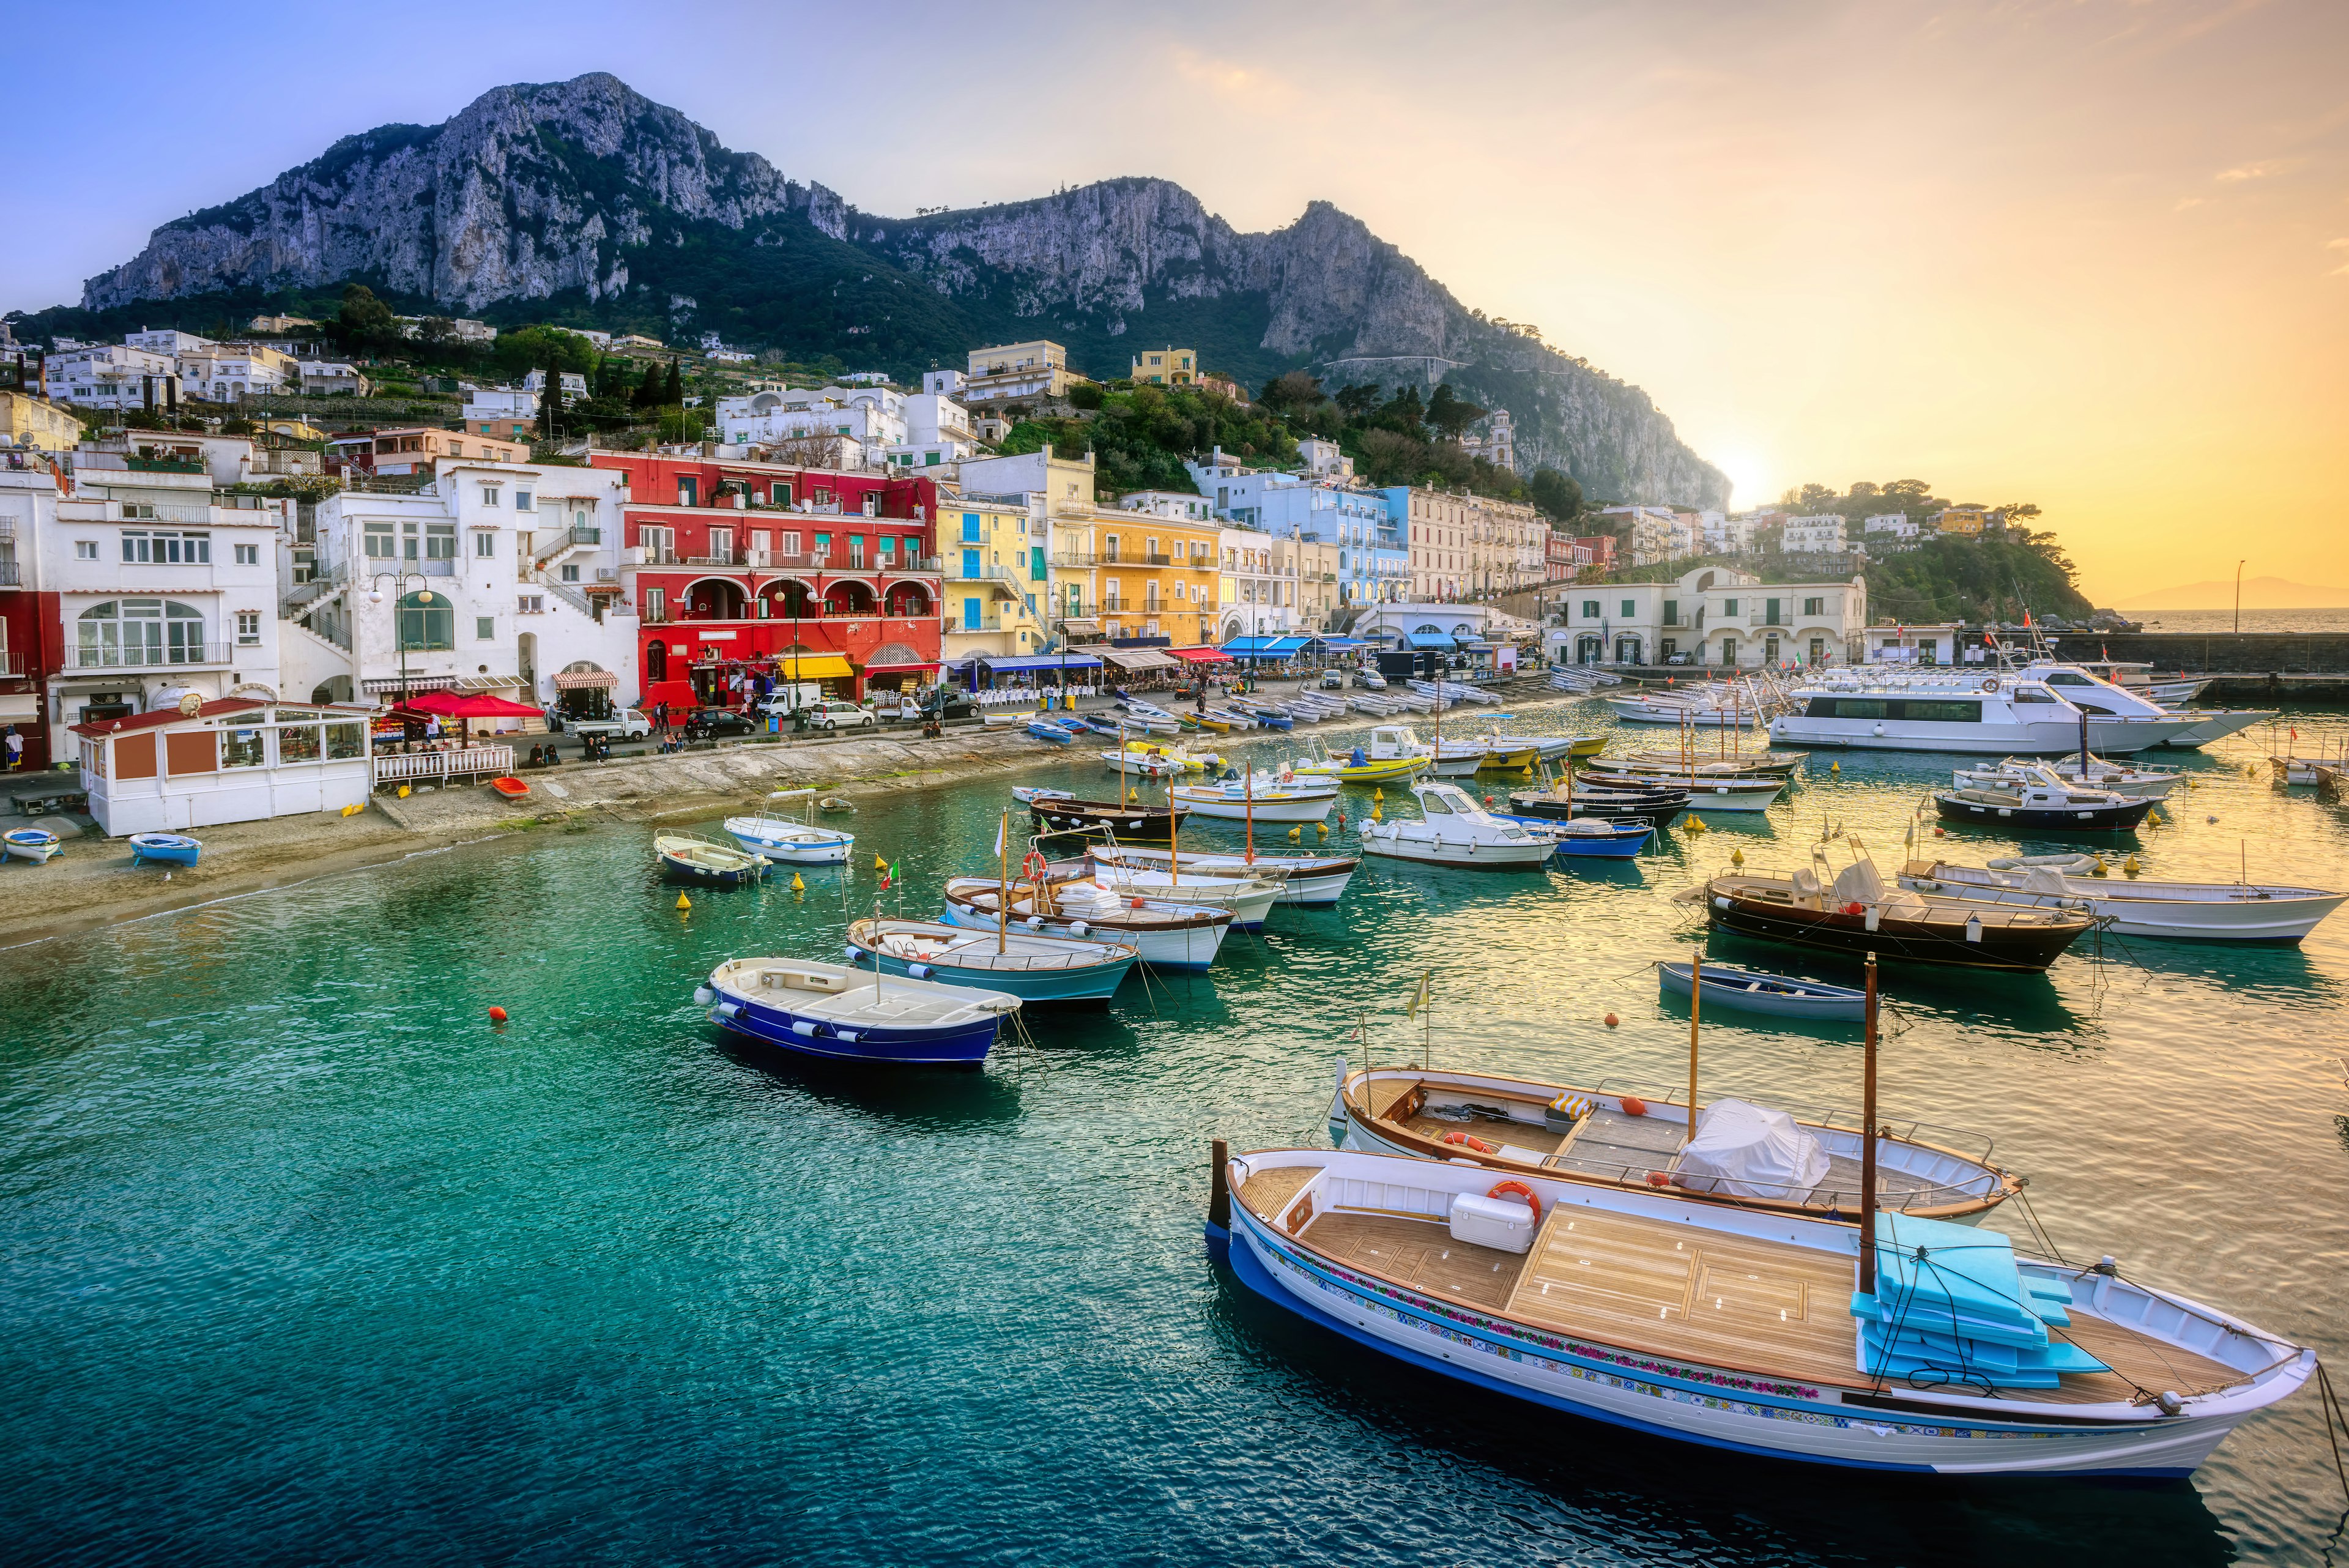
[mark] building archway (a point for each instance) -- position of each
(849, 595)
(714, 599)
(788, 598)
(1589, 647)
(1626, 648)
(333, 688)
(909, 600)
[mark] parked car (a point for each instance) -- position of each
(1333, 679)
(627, 724)
(838, 716)
(721, 721)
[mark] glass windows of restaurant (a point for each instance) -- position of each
(345, 740)
(247, 748)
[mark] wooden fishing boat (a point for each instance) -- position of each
(1659, 808)
(1033, 966)
(1168, 935)
(782, 838)
(1585, 838)
(2117, 778)
(1465, 759)
(702, 863)
(37, 845)
(1309, 800)
(1857, 914)
(832, 1009)
(1618, 1139)
(1045, 730)
(1249, 898)
(165, 848)
(1706, 792)
(1695, 763)
(1779, 995)
(1761, 1333)
(1309, 881)
(2189, 911)
(1452, 830)
(1064, 813)
(2034, 797)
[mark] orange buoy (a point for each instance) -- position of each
(1633, 1106)
(497, 1015)
(1612, 1021)
(1658, 1179)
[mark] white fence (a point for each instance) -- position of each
(1028, 696)
(474, 760)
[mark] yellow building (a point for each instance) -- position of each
(1038, 369)
(1960, 520)
(993, 552)
(1166, 367)
(1157, 577)
(38, 422)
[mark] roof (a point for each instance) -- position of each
(98, 729)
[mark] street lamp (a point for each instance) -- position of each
(399, 631)
(2239, 596)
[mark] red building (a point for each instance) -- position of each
(32, 630)
(802, 573)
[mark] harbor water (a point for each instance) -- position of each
(307, 1260)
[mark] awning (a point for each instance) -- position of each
(813, 666)
(1265, 646)
(1041, 662)
(586, 680)
(464, 705)
(1429, 639)
(1081, 625)
(1140, 659)
(484, 682)
(1343, 644)
(418, 683)
(1201, 655)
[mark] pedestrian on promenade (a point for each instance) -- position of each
(16, 749)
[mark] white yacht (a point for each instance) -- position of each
(2005, 713)
(2103, 700)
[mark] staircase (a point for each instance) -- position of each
(570, 538)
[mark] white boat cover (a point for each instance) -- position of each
(1748, 1151)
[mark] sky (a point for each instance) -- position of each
(2090, 254)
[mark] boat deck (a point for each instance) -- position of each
(898, 1001)
(1733, 1302)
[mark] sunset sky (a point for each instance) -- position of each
(2091, 255)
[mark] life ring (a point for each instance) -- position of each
(1990, 683)
(1465, 1140)
(1532, 1201)
(1033, 869)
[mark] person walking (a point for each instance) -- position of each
(16, 749)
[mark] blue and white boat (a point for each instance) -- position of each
(1045, 730)
(1712, 1325)
(700, 863)
(835, 1010)
(1170, 936)
(165, 848)
(791, 842)
(1030, 965)
(37, 845)
(1780, 995)
(1587, 836)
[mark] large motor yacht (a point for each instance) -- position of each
(2085, 687)
(1900, 709)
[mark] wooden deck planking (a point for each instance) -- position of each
(2136, 1362)
(1268, 1191)
(1524, 1135)
(1385, 1092)
(1420, 1252)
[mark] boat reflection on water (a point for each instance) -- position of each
(2028, 1003)
(886, 1101)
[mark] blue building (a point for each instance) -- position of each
(1373, 560)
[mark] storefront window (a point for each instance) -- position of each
(345, 742)
(243, 748)
(297, 744)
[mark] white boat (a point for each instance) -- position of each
(2136, 907)
(1706, 793)
(1890, 708)
(1308, 880)
(791, 842)
(1233, 801)
(1454, 830)
(1695, 764)
(1712, 1325)
(1169, 936)
(2115, 778)
(1001, 718)
(37, 845)
(1249, 898)
(2090, 686)
(1654, 709)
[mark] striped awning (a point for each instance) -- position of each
(585, 681)
(414, 682)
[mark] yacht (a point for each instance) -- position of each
(2101, 699)
(2007, 713)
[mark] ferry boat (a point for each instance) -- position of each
(1996, 712)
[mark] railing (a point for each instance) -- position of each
(1075, 558)
(569, 595)
(1156, 560)
(11, 574)
(472, 761)
(568, 539)
(8, 669)
(733, 558)
(647, 555)
(163, 511)
(152, 657)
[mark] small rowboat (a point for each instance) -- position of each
(1750, 991)
(782, 838)
(1045, 730)
(34, 844)
(831, 1010)
(1587, 837)
(1030, 965)
(511, 788)
(1063, 813)
(685, 858)
(169, 848)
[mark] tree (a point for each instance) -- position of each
(363, 320)
(1404, 413)
(1291, 393)
(648, 391)
(540, 348)
(1556, 494)
(550, 404)
(673, 393)
(1357, 398)
(1452, 414)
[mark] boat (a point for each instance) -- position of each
(1150, 760)
(165, 848)
(2189, 911)
(685, 858)
(1695, 763)
(1656, 708)
(511, 788)
(1587, 837)
(835, 1010)
(1066, 814)
(1892, 708)
(2115, 778)
(1031, 965)
(1465, 759)
(37, 845)
(1304, 800)
(1249, 898)
(1392, 753)
(1002, 718)
(2034, 796)
(836, 802)
(2099, 695)
(1659, 808)
(1710, 1323)
(1705, 794)
(1168, 935)
(1621, 1140)
(1549, 748)
(791, 842)
(1454, 830)
(1309, 881)
(1856, 913)
(1044, 730)
(1779, 995)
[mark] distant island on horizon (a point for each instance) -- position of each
(2259, 593)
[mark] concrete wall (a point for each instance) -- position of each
(2251, 653)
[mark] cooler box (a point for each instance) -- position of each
(1501, 1223)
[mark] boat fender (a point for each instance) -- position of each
(919, 971)
(703, 996)
(847, 1036)
(730, 1009)
(1034, 922)
(1080, 929)
(1659, 1178)
(803, 1027)
(1855, 907)
(1465, 1140)
(1533, 1201)
(1633, 1106)
(851, 954)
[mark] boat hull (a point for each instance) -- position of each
(961, 1045)
(1707, 797)
(1093, 983)
(1311, 808)
(163, 850)
(1137, 822)
(22, 844)
(686, 873)
(1306, 882)
(804, 848)
(1529, 856)
(1658, 814)
(1190, 948)
(2273, 921)
(2216, 725)
(2031, 949)
(2102, 818)
(1836, 1003)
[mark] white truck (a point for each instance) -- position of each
(626, 724)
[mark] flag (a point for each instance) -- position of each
(2026, 615)
(1419, 997)
(889, 873)
(998, 838)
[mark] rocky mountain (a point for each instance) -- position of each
(585, 202)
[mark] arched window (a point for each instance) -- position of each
(136, 633)
(656, 661)
(427, 622)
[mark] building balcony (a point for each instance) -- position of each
(11, 574)
(190, 655)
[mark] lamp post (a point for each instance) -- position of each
(399, 632)
(2239, 596)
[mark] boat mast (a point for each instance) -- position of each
(1173, 839)
(1696, 993)
(1003, 882)
(1249, 786)
(1868, 1141)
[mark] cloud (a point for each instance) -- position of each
(2186, 201)
(2272, 167)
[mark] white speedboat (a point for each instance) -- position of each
(1308, 880)
(2105, 700)
(2113, 778)
(791, 842)
(2135, 906)
(1239, 802)
(1648, 708)
(1249, 898)
(1169, 936)
(1454, 830)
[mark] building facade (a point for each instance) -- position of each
(994, 554)
(1713, 616)
(1461, 545)
(1822, 535)
(1167, 367)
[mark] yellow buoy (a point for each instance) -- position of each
(1377, 793)
(1693, 827)
(1378, 813)
(1321, 830)
(1295, 834)
(2101, 869)
(683, 902)
(880, 863)
(1737, 857)
(2131, 866)
(798, 886)
(1835, 767)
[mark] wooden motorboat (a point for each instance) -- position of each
(1033, 966)
(1392, 753)
(1308, 800)
(165, 848)
(1169, 936)
(2034, 797)
(1678, 763)
(1779, 995)
(1064, 813)
(1714, 1325)
(1452, 830)
(1658, 808)
(1465, 759)
(37, 845)
(1306, 880)
(2139, 906)
(1152, 760)
(782, 838)
(1618, 1139)
(832, 1009)
(1858, 914)
(1706, 792)
(701, 863)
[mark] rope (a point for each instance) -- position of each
(2332, 1416)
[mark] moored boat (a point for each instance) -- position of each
(1779, 995)
(1705, 794)
(1308, 880)
(1168, 935)
(2115, 778)
(835, 1010)
(1308, 800)
(1033, 966)
(700, 863)
(2139, 906)
(1249, 898)
(37, 845)
(165, 848)
(1046, 731)
(1065, 814)
(1586, 837)
(785, 840)
(2035, 796)
(1858, 914)
(1452, 830)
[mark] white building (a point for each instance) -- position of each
(1179, 506)
(1822, 535)
(1323, 460)
(1890, 530)
(489, 407)
(1938, 644)
(1257, 590)
(937, 434)
(196, 764)
(167, 340)
(227, 371)
(574, 383)
(1713, 616)
(1434, 624)
(109, 375)
(327, 378)
(1494, 439)
(1656, 534)
(872, 417)
(496, 579)
(944, 383)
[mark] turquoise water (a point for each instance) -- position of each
(306, 1260)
